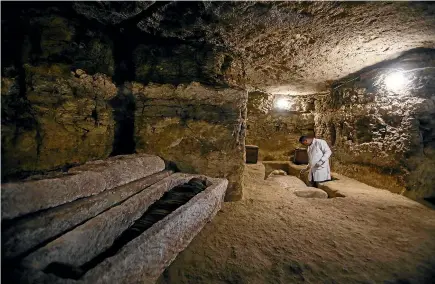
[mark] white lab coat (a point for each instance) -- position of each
(318, 160)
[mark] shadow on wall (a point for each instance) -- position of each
(124, 106)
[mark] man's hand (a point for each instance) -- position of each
(319, 164)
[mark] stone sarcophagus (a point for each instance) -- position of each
(120, 220)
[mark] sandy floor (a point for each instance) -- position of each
(273, 236)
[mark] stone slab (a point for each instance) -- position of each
(277, 172)
(21, 198)
(331, 189)
(287, 181)
(36, 229)
(86, 241)
(311, 192)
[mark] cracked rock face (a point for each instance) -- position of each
(276, 131)
(284, 47)
(182, 63)
(287, 47)
(56, 124)
(111, 12)
(383, 136)
(202, 129)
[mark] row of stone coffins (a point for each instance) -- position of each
(64, 229)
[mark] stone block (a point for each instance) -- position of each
(21, 198)
(311, 192)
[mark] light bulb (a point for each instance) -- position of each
(282, 104)
(395, 81)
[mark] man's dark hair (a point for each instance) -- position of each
(302, 138)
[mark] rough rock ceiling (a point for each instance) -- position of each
(287, 47)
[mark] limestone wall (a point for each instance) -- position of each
(276, 131)
(380, 136)
(64, 118)
(56, 93)
(201, 129)
(65, 101)
(177, 63)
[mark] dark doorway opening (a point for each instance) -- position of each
(124, 107)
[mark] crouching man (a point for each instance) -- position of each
(318, 160)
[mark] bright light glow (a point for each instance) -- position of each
(395, 81)
(283, 103)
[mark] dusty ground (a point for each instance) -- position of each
(272, 236)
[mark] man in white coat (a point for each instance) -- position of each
(318, 160)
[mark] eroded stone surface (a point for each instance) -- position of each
(292, 46)
(89, 179)
(278, 172)
(57, 113)
(201, 129)
(275, 130)
(66, 122)
(281, 47)
(382, 136)
(183, 63)
(36, 229)
(111, 12)
(285, 47)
